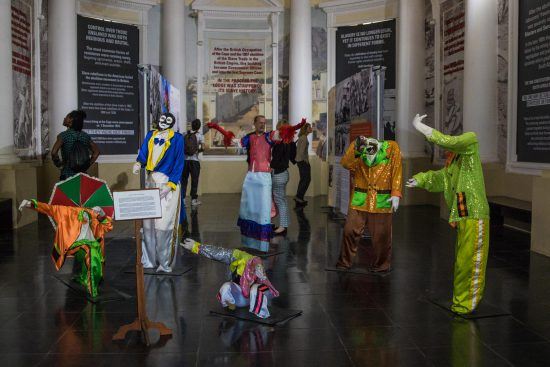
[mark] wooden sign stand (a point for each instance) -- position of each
(142, 323)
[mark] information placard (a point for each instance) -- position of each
(533, 84)
(137, 204)
(108, 91)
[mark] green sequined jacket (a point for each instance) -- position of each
(461, 180)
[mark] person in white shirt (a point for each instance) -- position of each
(193, 145)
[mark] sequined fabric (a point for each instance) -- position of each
(260, 154)
(461, 180)
(384, 177)
(221, 254)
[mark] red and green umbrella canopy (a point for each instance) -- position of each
(85, 191)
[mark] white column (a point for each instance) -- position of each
(173, 49)
(410, 76)
(480, 75)
(7, 154)
(299, 98)
(62, 63)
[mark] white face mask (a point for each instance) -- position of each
(165, 122)
(372, 146)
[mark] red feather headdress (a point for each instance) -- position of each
(286, 132)
(227, 135)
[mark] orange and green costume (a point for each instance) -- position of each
(374, 182)
(88, 248)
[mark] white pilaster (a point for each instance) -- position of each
(62, 63)
(7, 154)
(173, 49)
(200, 66)
(480, 75)
(410, 76)
(299, 98)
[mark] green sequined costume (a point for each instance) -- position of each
(462, 184)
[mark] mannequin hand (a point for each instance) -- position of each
(394, 200)
(411, 182)
(188, 244)
(423, 128)
(99, 211)
(136, 168)
(164, 190)
(25, 204)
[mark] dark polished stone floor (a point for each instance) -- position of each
(348, 320)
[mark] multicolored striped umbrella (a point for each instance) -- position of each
(84, 191)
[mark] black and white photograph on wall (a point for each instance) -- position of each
(342, 119)
(452, 14)
(429, 68)
(22, 63)
(502, 87)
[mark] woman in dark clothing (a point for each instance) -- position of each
(66, 140)
(302, 159)
(281, 154)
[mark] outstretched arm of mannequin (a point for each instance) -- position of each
(420, 126)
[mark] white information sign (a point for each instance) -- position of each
(137, 204)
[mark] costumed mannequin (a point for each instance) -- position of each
(376, 169)
(79, 232)
(256, 199)
(255, 210)
(462, 184)
(161, 154)
(249, 285)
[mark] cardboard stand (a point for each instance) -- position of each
(483, 311)
(176, 272)
(142, 322)
(359, 271)
(278, 315)
(106, 293)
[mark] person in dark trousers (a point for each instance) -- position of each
(66, 141)
(193, 145)
(282, 153)
(302, 160)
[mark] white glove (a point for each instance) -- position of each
(136, 168)
(99, 211)
(423, 128)
(394, 203)
(25, 204)
(164, 190)
(411, 182)
(188, 244)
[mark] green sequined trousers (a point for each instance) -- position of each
(91, 276)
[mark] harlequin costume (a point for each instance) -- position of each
(162, 156)
(375, 180)
(79, 232)
(463, 186)
(247, 283)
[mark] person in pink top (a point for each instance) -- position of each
(255, 212)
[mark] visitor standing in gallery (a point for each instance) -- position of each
(78, 151)
(194, 142)
(302, 160)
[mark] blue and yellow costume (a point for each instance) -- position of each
(162, 156)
